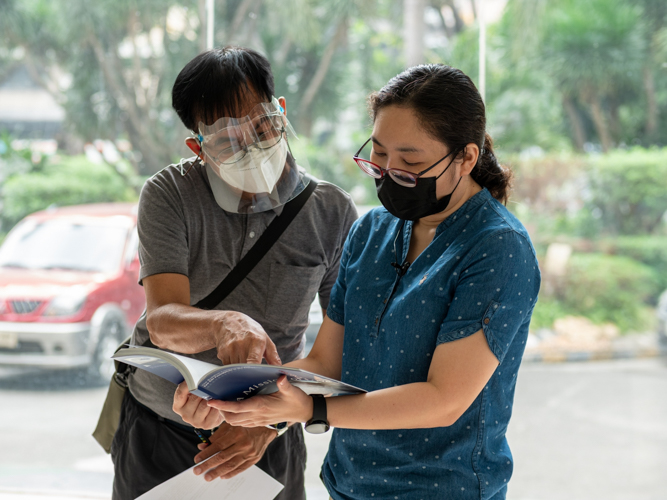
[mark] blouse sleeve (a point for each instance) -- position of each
(496, 292)
(336, 308)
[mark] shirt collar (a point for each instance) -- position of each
(473, 203)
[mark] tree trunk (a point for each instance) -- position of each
(239, 17)
(135, 83)
(449, 32)
(318, 77)
(201, 11)
(652, 109)
(458, 22)
(280, 56)
(615, 120)
(154, 154)
(578, 131)
(473, 5)
(42, 77)
(600, 122)
(413, 31)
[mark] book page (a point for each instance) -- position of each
(252, 483)
(197, 368)
(167, 365)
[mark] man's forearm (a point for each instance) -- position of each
(182, 328)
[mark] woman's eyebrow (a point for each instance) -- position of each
(402, 149)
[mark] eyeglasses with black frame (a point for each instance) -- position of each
(401, 177)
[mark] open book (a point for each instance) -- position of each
(229, 382)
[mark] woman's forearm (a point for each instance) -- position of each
(326, 356)
(411, 406)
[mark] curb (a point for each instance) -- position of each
(601, 355)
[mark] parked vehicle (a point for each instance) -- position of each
(68, 287)
(662, 322)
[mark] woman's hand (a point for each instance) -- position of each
(194, 409)
(289, 404)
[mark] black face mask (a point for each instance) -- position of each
(412, 203)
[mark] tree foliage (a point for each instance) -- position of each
(579, 74)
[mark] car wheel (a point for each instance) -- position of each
(102, 367)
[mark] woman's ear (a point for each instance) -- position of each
(194, 146)
(281, 101)
(470, 156)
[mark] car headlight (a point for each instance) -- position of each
(66, 304)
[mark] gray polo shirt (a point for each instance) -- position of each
(183, 230)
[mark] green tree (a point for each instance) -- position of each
(123, 57)
(591, 50)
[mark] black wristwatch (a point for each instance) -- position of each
(319, 423)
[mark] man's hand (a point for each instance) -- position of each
(240, 339)
(194, 409)
(237, 449)
(175, 325)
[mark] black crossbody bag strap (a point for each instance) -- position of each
(108, 422)
(258, 250)
(241, 270)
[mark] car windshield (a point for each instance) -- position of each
(65, 245)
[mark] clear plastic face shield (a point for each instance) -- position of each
(252, 158)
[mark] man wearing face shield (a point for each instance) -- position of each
(196, 220)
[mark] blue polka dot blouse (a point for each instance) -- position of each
(479, 273)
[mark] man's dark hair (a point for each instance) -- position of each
(217, 82)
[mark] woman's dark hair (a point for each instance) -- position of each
(451, 110)
(217, 82)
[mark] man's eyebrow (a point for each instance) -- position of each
(402, 149)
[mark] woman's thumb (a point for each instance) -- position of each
(283, 384)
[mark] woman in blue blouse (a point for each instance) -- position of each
(430, 312)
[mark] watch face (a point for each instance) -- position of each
(317, 427)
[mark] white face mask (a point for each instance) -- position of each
(257, 172)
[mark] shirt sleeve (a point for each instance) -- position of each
(331, 273)
(496, 292)
(163, 242)
(336, 309)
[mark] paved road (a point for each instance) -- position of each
(580, 431)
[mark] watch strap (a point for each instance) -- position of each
(319, 408)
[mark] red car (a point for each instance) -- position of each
(68, 287)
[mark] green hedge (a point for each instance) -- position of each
(628, 190)
(649, 250)
(547, 310)
(603, 288)
(63, 181)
